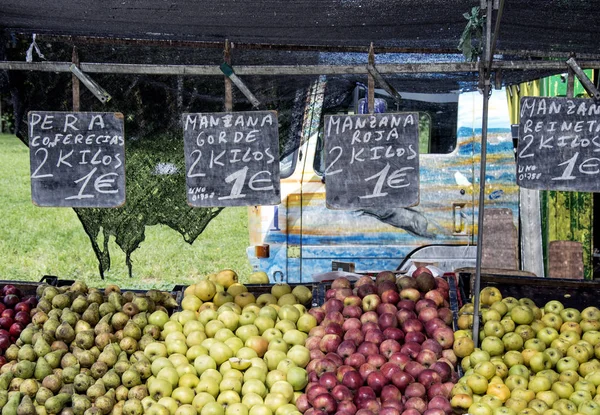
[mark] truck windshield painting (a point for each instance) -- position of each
(304, 236)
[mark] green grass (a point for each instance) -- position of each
(37, 241)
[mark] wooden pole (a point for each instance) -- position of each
(75, 81)
(371, 82)
(228, 88)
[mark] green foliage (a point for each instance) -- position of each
(470, 40)
(38, 241)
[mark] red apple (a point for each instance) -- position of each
(434, 346)
(434, 324)
(388, 410)
(330, 293)
(369, 316)
(377, 381)
(424, 303)
(383, 308)
(365, 279)
(374, 336)
(366, 369)
(393, 333)
(342, 293)
(22, 317)
(400, 359)
(443, 369)
(8, 312)
(316, 354)
(22, 306)
(346, 407)
(412, 325)
(406, 305)
(313, 391)
(302, 403)
(10, 300)
(318, 313)
(355, 335)
(415, 337)
(334, 328)
(434, 411)
(410, 294)
(335, 358)
(333, 317)
(389, 370)
(414, 369)
(372, 405)
(4, 342)
(426, 357)
(6, 322)
(332, 305)
(402, 380)
(312, 342)
(352, 311)
(342, 370)
(427, 314)
(318, 331)
(325, 403)
(346, 348)
(428, 377)
(355, 360)
(437, 389)
(376, 360)
(367, 348)
(328, 380)
(411, 348)
(352, 380)
(407, 411)
(390, 297)
(444, 336)
(387, 320)
(445, 314)
(415, 390)
(352, 300)
(390, 393)
(436, 296)
(403, 315)
(367, 289)
(365, 392)
(369, 325)
(341, 282)
(389, 347)
(351, 323)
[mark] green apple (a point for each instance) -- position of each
(479, 408)
(213, 374)
(492, 400)
(230, 319)
(273, 377)
(295, 337)
(236, 409)
(195, 351)
(570, 376)
(512, 341)
(588, 367)
(157, 409)
(285, 325)
(535, 344)
(570, 314)
(525, 331)
(516, 382)
(503, 410)
(223, 334)
(579, 397)
(589, 408)
(189, 380)
(255, 373)
(247, 331)
(565, 406)
(520, 370)
(508, 325)
(170, 374)
(283, 388)
(260, 409)
(186, 410)
(485, 369)
(278, 344)
(169, 403)
(257, 343)
(285, 365)
(490, 315)
(234, 344)
(553, 306)
(547, 335)
(493, 328)
(207, 315)
(554, 354)
(478, 356)
(158, 318)
(513, 357)
(516, 404)
(247, 317)
(589, 325)
(195, 338)
(306, 322)
(275, 400)
(550, 374)
(563, 389)
(584, 385)
(549, 397)
(538, 405)
(571, 335)
(588, 347)
(202, 363)
(155, 350)
(297, 377)
(537, 325)
(185, 369)
(477, 383)
(526, 394)
(209, 386)
(578, 352)
(539, 383)
(300, 355)
(522, 315)
(230, 384)
(590, 336)
(561, 345)
(567, 363)
(246, 353)
(552, 320)
(289, 312)
(254, 386)
(540, 361)
(594, 378)
(272, 333)
(251, 399)
(159, 388)
(213, 408)
(183, 395)
(263, 322)
(493, 345)
(273, 357)
(175, 336)
(220, 352)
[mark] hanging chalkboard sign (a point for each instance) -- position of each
(232, 159)
(372, 160)
(77, 159)
(559, 144)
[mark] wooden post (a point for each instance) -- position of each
(371, 82)
(228, 88)
(75, 81)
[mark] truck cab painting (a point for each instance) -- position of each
(301, 237)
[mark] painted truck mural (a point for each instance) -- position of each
(301, 237)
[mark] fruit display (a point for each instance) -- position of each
(382, 346)
(230, 351)
(82, 353)
(532, 359)
(14, 316)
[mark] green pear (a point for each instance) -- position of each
(56, 403)
(70, 372)
(61, 301)
(108, 356)
(26, 335)
(111, 379)
(106, 402)
(42, 395)
(42, 369)
(65, 333)
(3, 398)
(104, 325)
(27, 353)
(41, 347)
(92, 314)
(5, 379)
(24, 369)
(54, 358)
(96, 390)
(26, 407)
(83, 382)
(13, 403)
(80, 404)
(80, 304)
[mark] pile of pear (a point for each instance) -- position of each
(82, 352)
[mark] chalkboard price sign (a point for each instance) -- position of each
(559, 144)
(232, 159)
(372, 160)
(77, 159)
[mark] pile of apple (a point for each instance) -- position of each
(82, 352)
(532, 360)
(230, 351)
(382, 347)
(14, 316)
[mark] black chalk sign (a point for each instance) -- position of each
(232, 159)
(77, 159)
(559, 144)
(372, 160)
